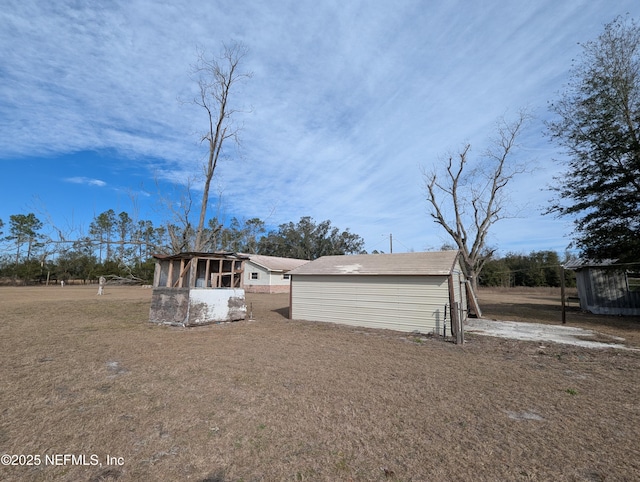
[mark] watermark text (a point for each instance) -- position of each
(60, 460)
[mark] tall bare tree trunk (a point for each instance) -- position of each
(216, 80)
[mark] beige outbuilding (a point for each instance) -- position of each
(405, 292)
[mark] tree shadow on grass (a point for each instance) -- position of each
(530, 312)
(217, 476)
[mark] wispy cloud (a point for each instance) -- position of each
(346, 102)
(86, 180)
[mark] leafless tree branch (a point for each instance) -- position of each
(482, 193)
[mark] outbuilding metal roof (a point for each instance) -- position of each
(435, 263)
(576, 264)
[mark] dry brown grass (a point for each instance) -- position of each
(275, 399)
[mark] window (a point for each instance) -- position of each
(255, 275)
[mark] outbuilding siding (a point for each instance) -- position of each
(604, 286)
(403, 303)
(606, 292)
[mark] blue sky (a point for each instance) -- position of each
(348, 102)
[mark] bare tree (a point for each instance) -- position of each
(216, 79)
(466, 201)
(178, 204)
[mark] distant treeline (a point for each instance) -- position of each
(119, 246)
(539, 268)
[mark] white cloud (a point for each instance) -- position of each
(87, 181)
(347, 99)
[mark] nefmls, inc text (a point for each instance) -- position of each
(60, 460)
(82, 459)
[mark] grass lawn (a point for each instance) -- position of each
(275, 399)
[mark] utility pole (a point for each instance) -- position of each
(390, 243)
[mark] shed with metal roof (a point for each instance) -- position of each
(405, 292)
(607, 287)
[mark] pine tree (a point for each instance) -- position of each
(599, 127)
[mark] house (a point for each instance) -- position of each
(268, 274)
(191, 289)
(404, 292)
(607, 288)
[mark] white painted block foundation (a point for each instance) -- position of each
(211, 305)
(194, 307)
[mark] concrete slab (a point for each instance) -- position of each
(540, 332)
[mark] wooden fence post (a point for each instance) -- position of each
(456, 323)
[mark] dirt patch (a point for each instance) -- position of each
(275, 399)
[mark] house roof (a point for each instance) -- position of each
(275, 263)
(435, 263)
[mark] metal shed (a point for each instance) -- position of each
(606, 287)
(404, 292)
